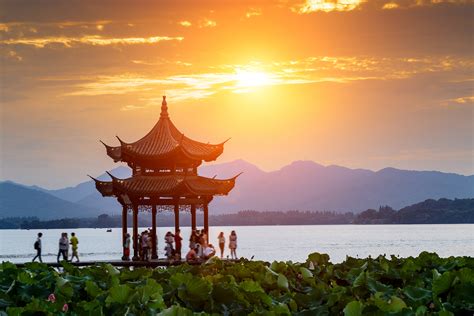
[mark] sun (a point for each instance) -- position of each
(247, 78)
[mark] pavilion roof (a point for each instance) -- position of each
(165, 186)
(164, 141)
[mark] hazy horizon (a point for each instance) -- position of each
(85, 178)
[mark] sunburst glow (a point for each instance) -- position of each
(248, 78)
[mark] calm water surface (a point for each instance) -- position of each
(266, 242)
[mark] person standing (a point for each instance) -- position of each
(233, 244)
(177, 243)
(74, 242)
(37, 247)
(221, 239)
(126, 248)
(169, 250)
(145, 246)
(63, 247)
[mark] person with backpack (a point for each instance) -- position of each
(37, 247)
(74, 241)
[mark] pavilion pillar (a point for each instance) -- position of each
(206, 220)
(124, 232)
(176, 217)
(193, 217)
(135, 233)
(154, 255)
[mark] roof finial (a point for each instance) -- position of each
(164, 107)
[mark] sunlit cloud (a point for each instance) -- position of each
(207, 23)
(253, 12)
(326, 5)
(35, 26)
(131, 107)
(185, 23)
(390, 5)
(465, 100)
(157, 62)
(309, 6)
(253, 76)
(94, 40)
(12, 55)
(4, 27)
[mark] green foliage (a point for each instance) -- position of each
(425, 285)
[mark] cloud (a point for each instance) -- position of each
(185, 23)
(326, 5)
(161, 61)
(390, 5)
(94, 40)
(131, 107)
(11, 54)
(248, 77)
(309, 6)
(253, 12)
(207, 23)
(465, 100)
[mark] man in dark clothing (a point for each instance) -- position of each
(38, 248)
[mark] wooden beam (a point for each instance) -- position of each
(206, 220)
(186, 201)
(124, 232)
(135, 233)
(176, 218)
(154, 255)
(193, 216)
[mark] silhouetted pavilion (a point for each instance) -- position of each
(164, 177)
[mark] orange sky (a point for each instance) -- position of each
(363, 84)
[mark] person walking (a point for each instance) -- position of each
(177, 243)
(221, 240)
(63, 247)
(74, 242)
(37, 247)
(233, 244)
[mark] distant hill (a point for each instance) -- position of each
(303, 185)
(442, 211)
(306, 185)
(20, 201)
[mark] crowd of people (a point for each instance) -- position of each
(199, 246)
(200, 249)
(64, 243)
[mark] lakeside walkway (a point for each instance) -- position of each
(120, 263)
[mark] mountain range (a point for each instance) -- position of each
(302, 185)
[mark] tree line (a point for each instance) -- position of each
(442, 211)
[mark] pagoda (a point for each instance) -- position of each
(164, 177)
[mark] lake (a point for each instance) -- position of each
(266, 242)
